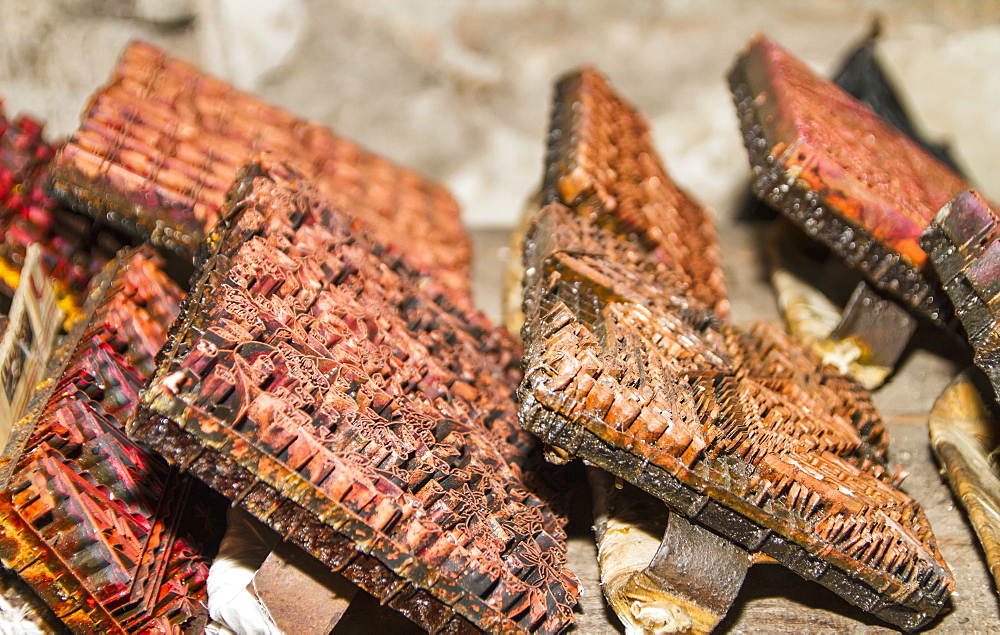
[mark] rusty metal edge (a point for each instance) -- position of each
(915, 288)
(686, 492)
(330, 545)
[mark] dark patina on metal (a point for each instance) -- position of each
(855, 183)
(963, 242)
(361, 410)
(629, 365)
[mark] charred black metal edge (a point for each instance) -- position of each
(562, 136)
(917, 289)
(297, 525)
(186, 450)
(977, 317)
(583, 443)
(107, 205)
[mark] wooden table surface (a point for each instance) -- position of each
(774, 599)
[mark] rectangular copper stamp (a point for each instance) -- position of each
(107, 534)
(603, 166)
(159, 146)
(739, 431)
(362, 411)
(855, 183)
(963, 242)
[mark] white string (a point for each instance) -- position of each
(14, 621)
(230, 604)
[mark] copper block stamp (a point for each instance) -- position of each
(362, 411)
(159, 146)
(858, 185)
(106, 533)
(629, 365)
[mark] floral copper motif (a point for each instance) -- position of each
(362, 411)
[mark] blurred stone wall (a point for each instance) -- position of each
(460, 89)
